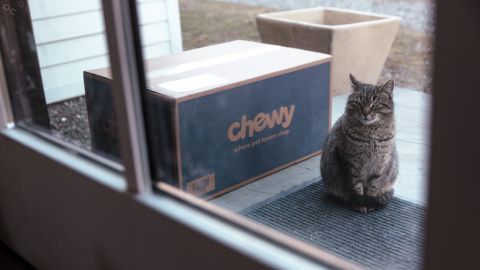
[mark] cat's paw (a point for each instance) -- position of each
(361, 209)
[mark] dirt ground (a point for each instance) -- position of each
(209, 22)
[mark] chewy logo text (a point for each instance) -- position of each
(238, 130)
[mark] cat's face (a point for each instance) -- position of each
(370, 103)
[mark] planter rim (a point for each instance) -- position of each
(380, 18)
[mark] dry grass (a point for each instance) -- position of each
(209, 22)
(410, 60)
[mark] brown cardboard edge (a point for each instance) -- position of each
(96, 76)
(330, 97)
(261, 230)
(167, 98)
(92, 75)
(162, 96)
(253, 179)
(259, 78)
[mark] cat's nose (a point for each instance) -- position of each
(365, 113)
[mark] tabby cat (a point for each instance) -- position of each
(359, 163)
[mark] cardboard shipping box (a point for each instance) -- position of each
(223, 115)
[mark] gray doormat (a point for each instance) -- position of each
(391, 238)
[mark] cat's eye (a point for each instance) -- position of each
(356, 104)
(376, 104)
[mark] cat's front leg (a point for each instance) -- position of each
(379, 201)
(357, 198)
(378, 192)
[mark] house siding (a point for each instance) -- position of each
(70, 38)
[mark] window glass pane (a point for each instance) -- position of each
(49, 49)
(245, 124)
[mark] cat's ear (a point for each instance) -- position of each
(355, 82)
(387, 88)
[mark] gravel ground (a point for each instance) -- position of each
(209, 22)
(69, 121)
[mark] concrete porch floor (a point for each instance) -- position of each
(412, 110)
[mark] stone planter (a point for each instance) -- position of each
(359, 42)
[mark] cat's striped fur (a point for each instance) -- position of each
(359, 163)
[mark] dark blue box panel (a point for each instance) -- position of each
(104, 134)
(101, 116)
(272, 122)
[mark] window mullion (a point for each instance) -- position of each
(6, 115)
(126, 93)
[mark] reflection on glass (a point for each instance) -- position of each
(49, 49)
(155, 28)
(242, 124)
